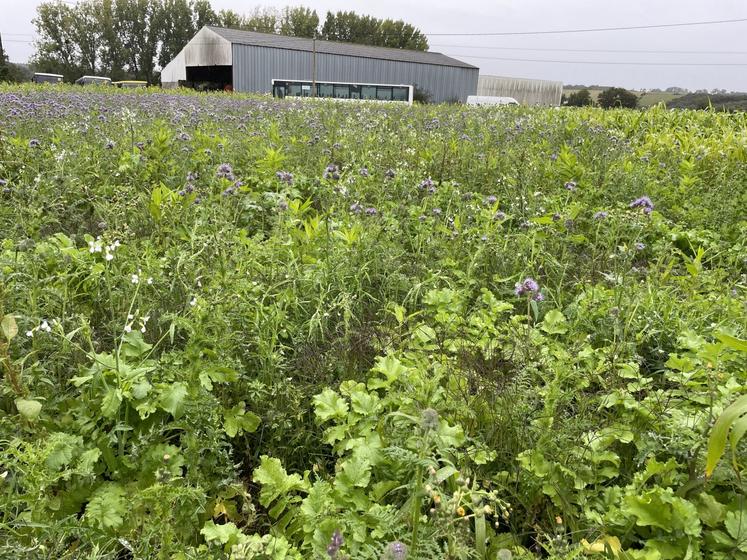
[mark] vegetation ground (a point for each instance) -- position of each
(234, 327)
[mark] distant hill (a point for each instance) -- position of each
(720, 102)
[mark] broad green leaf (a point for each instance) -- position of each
(732, 342)
(736, 525)
(720, 432)
(225, 534)
(237, 420)
(554, 323)
(275, 481)
(391, 368)
(107, 507)
(328, 404)
(172, 398)
(9, 327)
(710, 511)
(29, 409)
(110, 403)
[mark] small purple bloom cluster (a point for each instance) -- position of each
(284, 177)
(331, 172)
(427, 185)
(601, 215)
(570, 186)
(225, 171)
(335, 544)
(396, 551)
(643, 202)
(364, 172)
(389, 174)
(529, 288)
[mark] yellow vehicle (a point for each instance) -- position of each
(130, 84)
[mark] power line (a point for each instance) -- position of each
(588, 50)
(604, 62)
(589, 30)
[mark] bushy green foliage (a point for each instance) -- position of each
(236, 327)
(580, 98)
(617, 98)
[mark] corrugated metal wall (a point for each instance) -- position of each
(525, 91)
(255, 67)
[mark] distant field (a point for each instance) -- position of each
(648, 99)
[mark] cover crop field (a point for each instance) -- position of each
(240, 328)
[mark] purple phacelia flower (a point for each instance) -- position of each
(283, 205)
(528, 287)
(499, 216)
(371, 211)
(491, 199)
(109, 145)
(643, 202)
(538, 297)
(436, 211)
(601, 215)
(140, 145)
(553, 157)
(364, 172)
(184, 137)
(570, 186)
(225, 171)
(331, 172)
(192, 176)
(34, 143)
(335, 544)
(389, 174)
(426, 184)
(640, 246)
(284, 177)
(356, 208)
(395, 551)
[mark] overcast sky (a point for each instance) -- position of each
(476, 16)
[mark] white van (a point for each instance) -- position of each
(490, 100)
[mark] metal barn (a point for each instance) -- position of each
(542, 93)
(249, 61)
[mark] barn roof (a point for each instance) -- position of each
(253, 38)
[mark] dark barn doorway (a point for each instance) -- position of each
(210, 78)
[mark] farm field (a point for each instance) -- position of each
(234, 327)
(645, 100)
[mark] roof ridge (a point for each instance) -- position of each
(354, 49)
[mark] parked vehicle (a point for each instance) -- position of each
(93, 80)
(130, 84)
(44, 78)
(490, 100)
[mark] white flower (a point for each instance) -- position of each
(142, 329)
(109, 257)
(193, 302)
(128, 327)
(150, 280)
(130, 316)
(45, 327)
(116, 243)
(146, 319)
(29, 333)
(135, 279)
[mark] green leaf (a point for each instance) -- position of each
(29, 409)
(9, 327)
(275, 481)
(720, 432)
(328, 404)
(172, 398)
(732, 342)
(107, 507)
(110, 403)
(237, 420)
(554, 323)
(227, 534)
(391, 368)
(736, 525)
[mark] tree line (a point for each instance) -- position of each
(134, 38)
